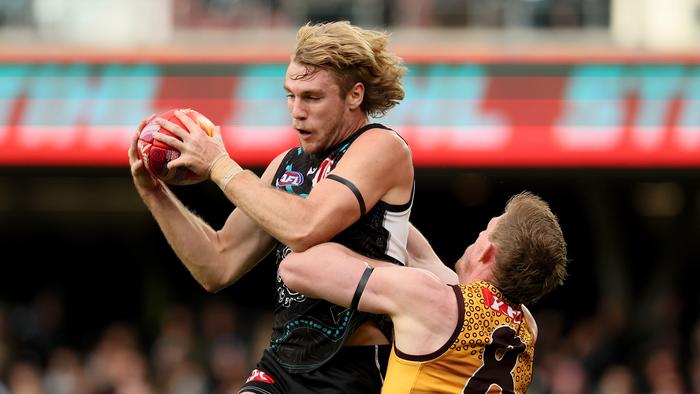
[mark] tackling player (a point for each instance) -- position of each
(462, 338)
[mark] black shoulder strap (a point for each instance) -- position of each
(366, 127)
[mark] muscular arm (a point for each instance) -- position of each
(378, 163)
(214, 258)
(422, 308)
(332, 271)
(422, 255)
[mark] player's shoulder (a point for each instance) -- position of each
(381, 132)
(280, 157)
(272, 167)
(381, 140)
(423, 284)
(532, 323)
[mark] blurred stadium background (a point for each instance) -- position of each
(592, 104)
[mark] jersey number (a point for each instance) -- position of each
(500, 357)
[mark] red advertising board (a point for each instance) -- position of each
(457, 112)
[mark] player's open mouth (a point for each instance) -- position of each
(304, 133)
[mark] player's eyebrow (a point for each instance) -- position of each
(309, 92)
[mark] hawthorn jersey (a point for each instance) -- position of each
(306, 333)
(490, 351)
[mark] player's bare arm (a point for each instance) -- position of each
(215, 259)
(332, 272)
(371, 160)
(422, 255)
(380, 167)
(226, 255)
(378, 163)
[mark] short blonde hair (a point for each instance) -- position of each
(530, 250)
(353, 55)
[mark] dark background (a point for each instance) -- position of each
(83, 237)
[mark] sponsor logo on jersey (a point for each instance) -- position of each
(290, 178)
(323, 170)
(260, 376)
(499, 306)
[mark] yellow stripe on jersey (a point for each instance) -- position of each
(492, 351)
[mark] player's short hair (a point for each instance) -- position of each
(353, 54)
(530, 250)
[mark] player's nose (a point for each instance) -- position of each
(296, 110)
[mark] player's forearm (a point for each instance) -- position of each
(333, 272)
(422, 255)
(418, 247)
(288, 218)
(192, 240)
(321, 272)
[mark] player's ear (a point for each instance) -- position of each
(356, 95)
(488, 254)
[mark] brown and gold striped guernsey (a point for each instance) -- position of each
(490, 351)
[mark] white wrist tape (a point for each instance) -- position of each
(223, 169)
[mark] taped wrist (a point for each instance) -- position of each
(361, 287)
(218, 157)
(223, 169)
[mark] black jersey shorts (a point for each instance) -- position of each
(354, 369)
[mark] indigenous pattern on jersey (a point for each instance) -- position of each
(308, 332)
(490, 351)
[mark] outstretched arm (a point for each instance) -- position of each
(422, 255)
(413, 298)
(332, 272)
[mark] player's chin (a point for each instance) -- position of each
(309, 147)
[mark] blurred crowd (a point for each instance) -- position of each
(202, 349)
(395, 13)
(210, 348)
(390, 13)
(613, 352)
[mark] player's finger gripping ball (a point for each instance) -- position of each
(156, 155)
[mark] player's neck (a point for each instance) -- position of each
(350, 126)
(473, 276)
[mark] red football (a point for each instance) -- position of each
(156, 155)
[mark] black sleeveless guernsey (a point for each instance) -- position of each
(308, 332)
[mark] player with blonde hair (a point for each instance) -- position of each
(349, 181)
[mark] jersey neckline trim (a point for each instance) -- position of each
(352, 137)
